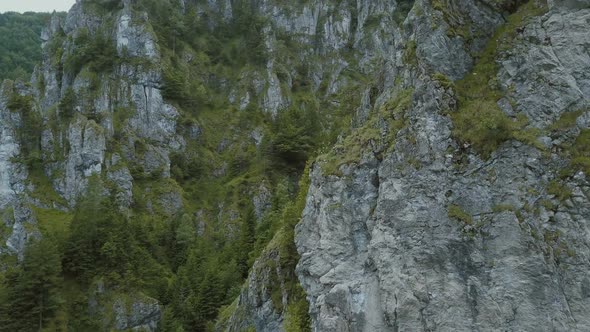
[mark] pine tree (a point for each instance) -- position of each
(89, 232)
(247, 240)
(33, 289)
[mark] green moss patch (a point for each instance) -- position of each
(352, 147)
(457, 213)
(479, 121)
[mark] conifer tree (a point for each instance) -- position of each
(33, 289)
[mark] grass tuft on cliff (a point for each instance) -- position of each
(479, 122)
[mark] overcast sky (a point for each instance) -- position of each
(35, 5)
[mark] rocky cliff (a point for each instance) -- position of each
(447, 144)
(174, 110)
(433, 227)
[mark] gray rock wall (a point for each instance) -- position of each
(380, 249)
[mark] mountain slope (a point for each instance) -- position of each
(474, 217)
(158, 148)
(358, 165)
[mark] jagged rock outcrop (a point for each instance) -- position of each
(12, 174)
(16, 215)
(546, 72)
(329, 30)
(130, 88)
(80, 111)
(262, 302)
(406, 226)
(411, 239)
(141, 314)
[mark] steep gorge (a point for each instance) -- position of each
(446, 187)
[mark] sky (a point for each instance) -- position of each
(35, 5)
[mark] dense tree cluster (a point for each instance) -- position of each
(20, 43)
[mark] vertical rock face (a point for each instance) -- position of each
(258, 305)
(140, 315)
(15, 215)
(128, 96)
(124, 99)
(407, 239)
(10, 177)
(406, 227)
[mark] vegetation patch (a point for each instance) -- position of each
(444, 81)
(20, 45)
(370, 135)
(96, 52)
(457, 213)
(53, 224)
(576, 149)
(409, 55)
(581, 152)
(559, 190)
(566, 121)
(479, 122)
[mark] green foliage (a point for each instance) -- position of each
(362, 139)
(90, 230)
(566, 121)
(402, 10)
(185, 167)
(581, 152)
(102, 6)
(67, 104)
(443, 80)
(96, 52)
(455, 212)
(54, 225)
(247, 240)
(29, 135)
(104, 242)
(20, 43)
(179, 87)
(216, 52)
(202, 285)
(577, 149)
(559, 190)
(297, 317)
(290, 217)
(409, 55)
(31, 294)
(483, 125)
(44, 190)
(479, 121)
(509, 5)
(294, 135)
(234, 43)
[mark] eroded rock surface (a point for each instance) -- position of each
(412, 240)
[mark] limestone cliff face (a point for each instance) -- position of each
(105, 116)
(406, 225)
(16, 214)
(333, 39)
(127, 88)
(120, 99)
(329, 37)
(408, 238)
